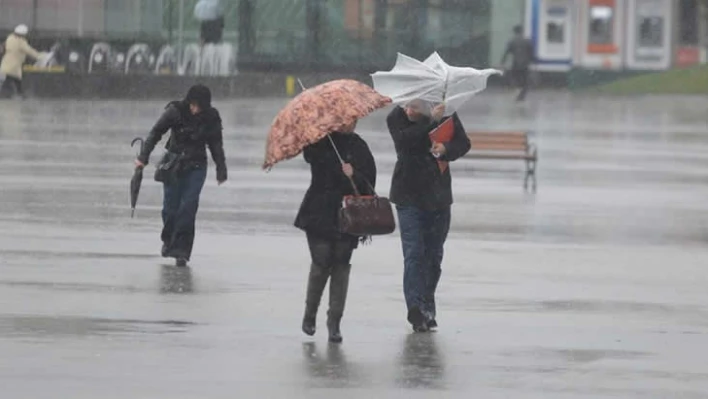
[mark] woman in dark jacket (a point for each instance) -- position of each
(195, 125)
(331, 250)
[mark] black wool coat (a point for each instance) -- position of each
(417, 180)
(319, 212)
(190, 136)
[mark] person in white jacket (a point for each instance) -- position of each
(16, 52)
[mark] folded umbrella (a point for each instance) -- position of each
(317, 112)
(432, 80)
(137, 179)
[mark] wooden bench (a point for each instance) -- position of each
(506, 145)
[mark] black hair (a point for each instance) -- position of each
(518, 29)
(200, 95)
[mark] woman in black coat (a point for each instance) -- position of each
(195, 125)
(331, 250)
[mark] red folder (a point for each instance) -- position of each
(443, 134)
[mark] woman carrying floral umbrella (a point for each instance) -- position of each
(320, 122)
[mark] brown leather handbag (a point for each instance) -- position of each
(366, 215)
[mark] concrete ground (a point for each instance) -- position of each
(592, 288)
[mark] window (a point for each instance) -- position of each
(555, 33)
(688, 22)
(555, 28)
(651, 31)
(602, 25)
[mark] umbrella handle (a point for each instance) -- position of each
(336, 150)
(447, 80)
(136, 140)
(341, 161)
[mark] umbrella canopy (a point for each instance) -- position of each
(315, 113)
(208, 10)
(136, 181)
(432, 80)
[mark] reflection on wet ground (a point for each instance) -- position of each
(176, 280)
(422, 365)
(58, 326)
(329, 368)
(586, 355)
(594, 287)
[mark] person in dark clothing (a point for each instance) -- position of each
(521, 50)
(210, 13)
(195, 125)
(423, 198)
(330, 250)
(212, 31)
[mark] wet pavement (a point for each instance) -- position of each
(592, 288)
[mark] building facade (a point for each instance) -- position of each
(617, 35)
(291, 34)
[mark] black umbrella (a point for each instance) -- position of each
(136, 180)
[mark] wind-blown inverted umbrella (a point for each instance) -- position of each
(137, 179)
(432, 80)
(315, 113)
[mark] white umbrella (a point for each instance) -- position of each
(208, 10)
(432, 80)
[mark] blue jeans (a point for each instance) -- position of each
(179, 212)
(423, 235)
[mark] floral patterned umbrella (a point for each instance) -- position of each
(317, 112)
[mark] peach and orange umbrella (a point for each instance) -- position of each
(317, 112)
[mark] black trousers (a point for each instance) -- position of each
(520, 77)
(330, 261)
(10, 87)
(179, 212)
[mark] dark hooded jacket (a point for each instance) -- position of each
(319, 212)
(522, 52)
(417, 180)
(190, 134)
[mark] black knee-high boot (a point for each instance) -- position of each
(338, 287)
(316, 283)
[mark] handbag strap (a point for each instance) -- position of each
(356, 190)
(368, 183)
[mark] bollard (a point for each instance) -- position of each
(290, 85)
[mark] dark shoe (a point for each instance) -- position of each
(181, 262)
(309, 324)
(417, 320)
(335, 335)
(432, 324)
(421, 328)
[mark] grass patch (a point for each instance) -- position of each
(676, 81)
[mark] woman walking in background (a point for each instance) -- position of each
(330, 250)
(195, 125)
